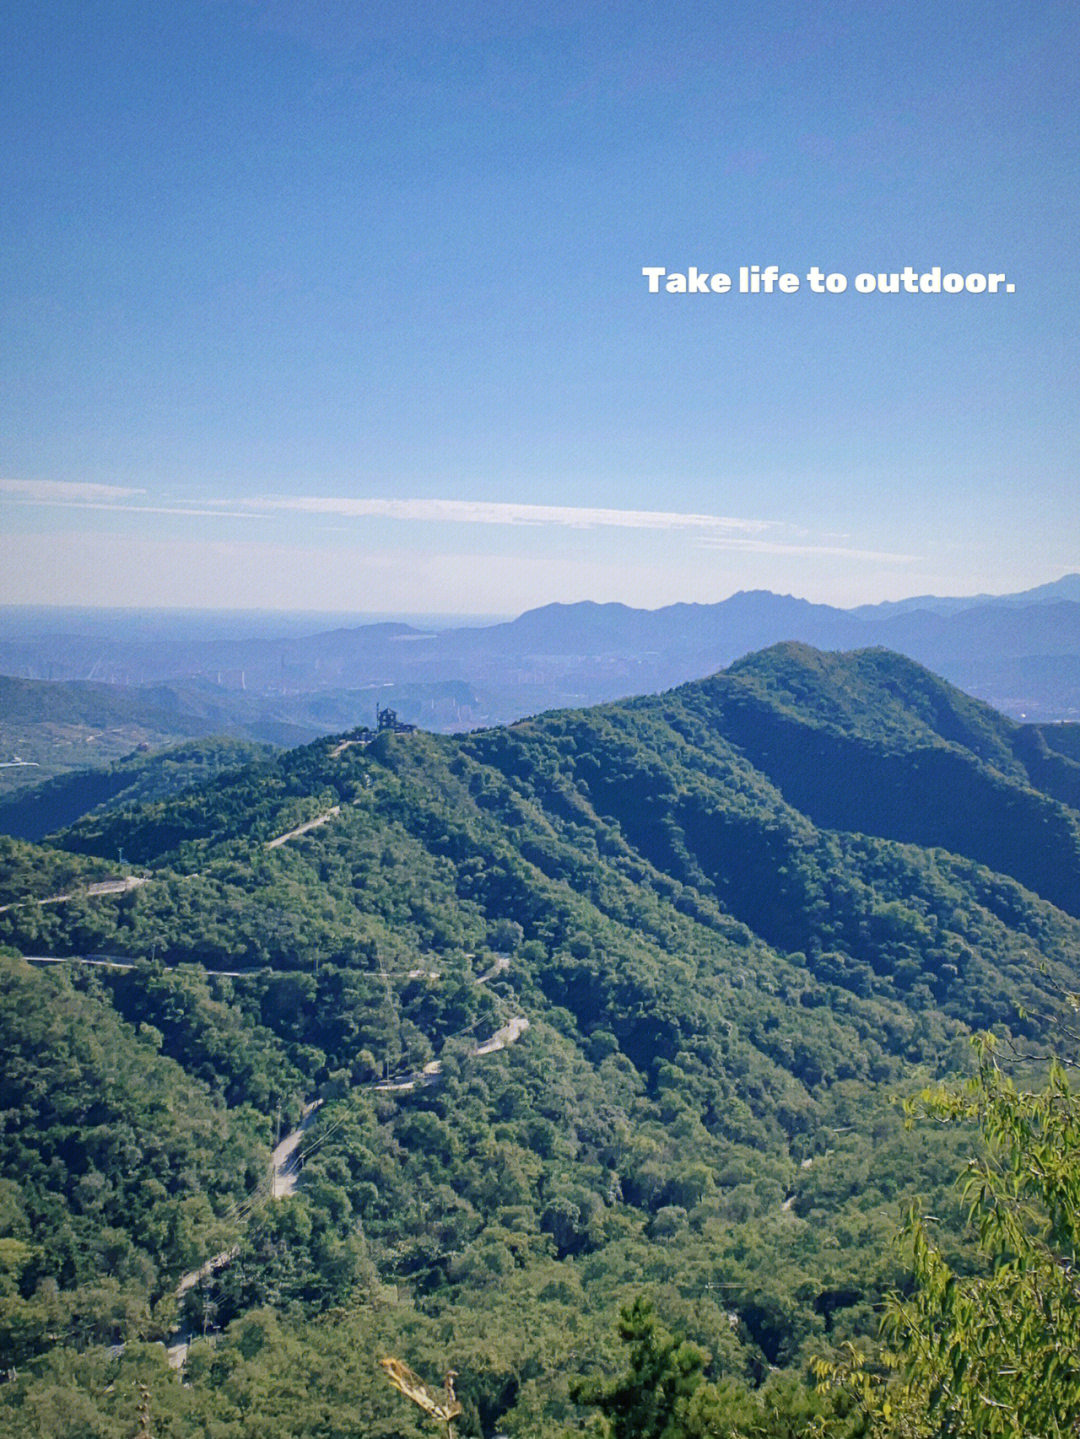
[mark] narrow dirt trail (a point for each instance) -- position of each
(284, 1173)
(303, 828)
(508, 1034)
(501, 965)
(285, 1165)
(92, 891)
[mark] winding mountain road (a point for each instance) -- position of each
(285, 1159)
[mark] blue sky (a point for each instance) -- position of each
(338, 306)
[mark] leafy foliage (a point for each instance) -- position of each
(998, 1352)
(116, 1167)
(993, 1350)
(665, 1393)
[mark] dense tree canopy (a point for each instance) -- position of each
(993, 1352)
(739, 920)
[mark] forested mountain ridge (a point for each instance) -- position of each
(142, 775)
(737, 916)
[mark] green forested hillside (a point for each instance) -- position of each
(115, 1165)
(50, 728)
(37, 810)
(739, 919)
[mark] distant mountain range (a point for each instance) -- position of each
(1020, 652)
(1067, 588)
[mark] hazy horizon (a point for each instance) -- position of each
(208, 622)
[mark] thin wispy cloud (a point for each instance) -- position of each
(187, 510)
(60, 492)
(487, 512)
(120, 499)
(723, 532)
